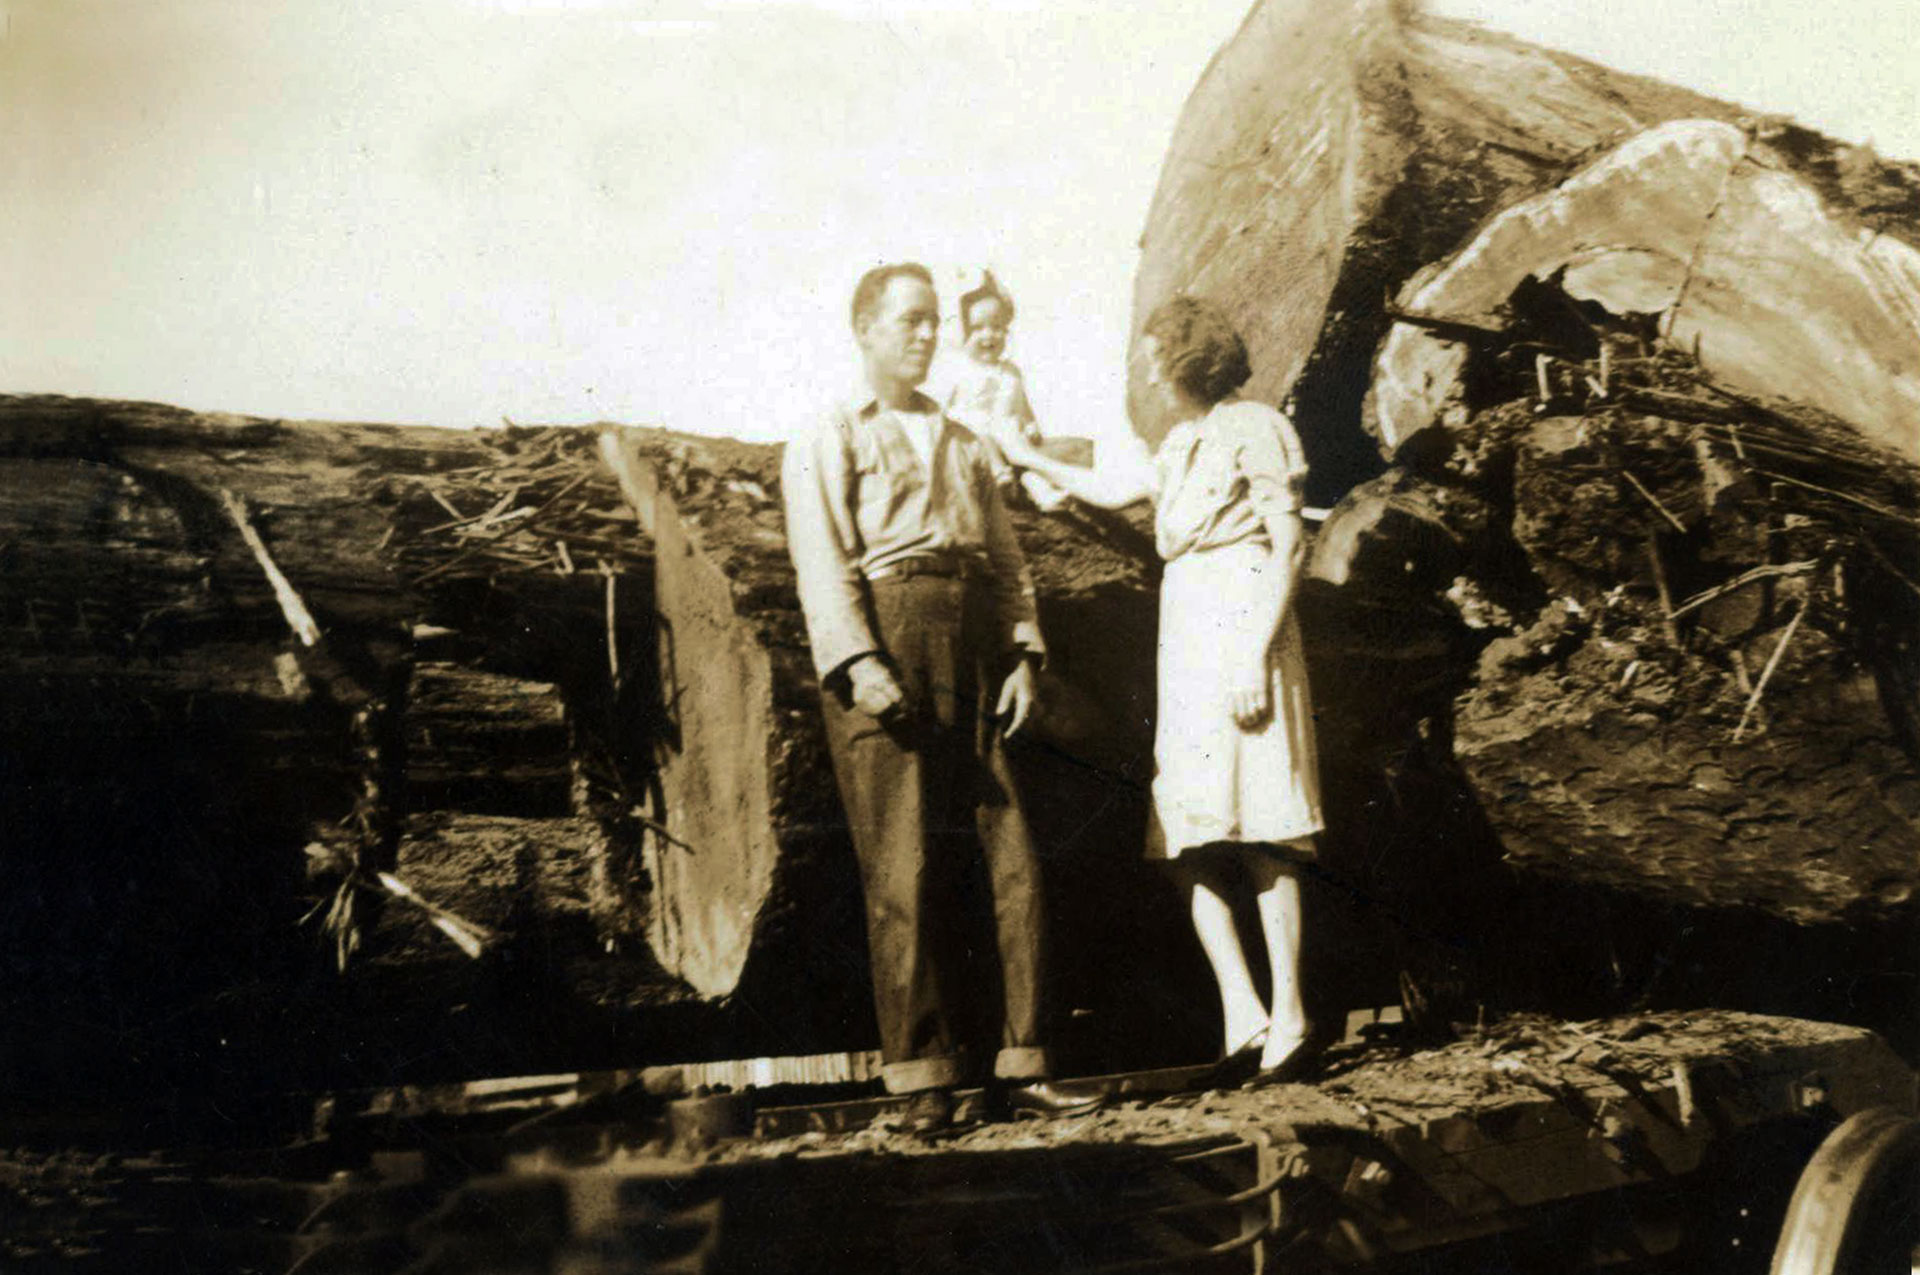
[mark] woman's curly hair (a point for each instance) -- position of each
(1200, 352)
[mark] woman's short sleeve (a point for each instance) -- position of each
(1271, 458)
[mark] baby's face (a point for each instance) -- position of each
(986, 324)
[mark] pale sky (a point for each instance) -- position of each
(450, 211)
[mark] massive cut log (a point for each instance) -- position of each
(1712, 235)
(1744, 750)
(1332, 149)
(1712, 707)
(164, 753)
(1638, 681)
(1627, 628)
(1693, 703)
(753, 888)
(171, 741)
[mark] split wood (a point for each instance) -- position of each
(470, 937)
(613, 627)
(1766, 674)
(292, 608)
(1660, 583)
(524, 524)
(1654, 500)
(1741, 581)
(445, 504)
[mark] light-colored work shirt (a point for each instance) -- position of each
(922, 430)
(860, 500)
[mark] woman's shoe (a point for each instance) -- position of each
(1238, 1066)
(1299, 1064)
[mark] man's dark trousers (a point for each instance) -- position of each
(930, 798)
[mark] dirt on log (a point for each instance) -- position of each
(1684, 380)
(1669, 710)
(1711, 700)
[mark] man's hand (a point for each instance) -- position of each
(875, 690)
(1250, 699)
(1016, 698)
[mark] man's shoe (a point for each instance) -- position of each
(929, 1112)
(1048, 1098)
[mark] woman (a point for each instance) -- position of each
(1237, 777)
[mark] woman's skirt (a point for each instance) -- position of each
(1214, 781)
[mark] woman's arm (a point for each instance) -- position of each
(1251, 693)
(1269, 458)
(1108, 485)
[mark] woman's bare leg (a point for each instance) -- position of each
(1242, 1014)
(1278, 902)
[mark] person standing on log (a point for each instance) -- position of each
(921, 616)
(1236, 768)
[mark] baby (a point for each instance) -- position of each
(988, 395)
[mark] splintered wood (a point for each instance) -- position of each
(541, 498)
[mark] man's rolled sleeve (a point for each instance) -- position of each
(1013, 595)
(816, 485)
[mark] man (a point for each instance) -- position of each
(921, 616)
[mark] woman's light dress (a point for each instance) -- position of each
(1217, 481)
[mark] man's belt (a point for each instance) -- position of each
(945, 566)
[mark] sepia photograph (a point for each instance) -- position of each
(1021, 637)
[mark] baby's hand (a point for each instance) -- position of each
(1020, 449)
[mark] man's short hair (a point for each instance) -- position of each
(873, 285)
(1199, 349)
